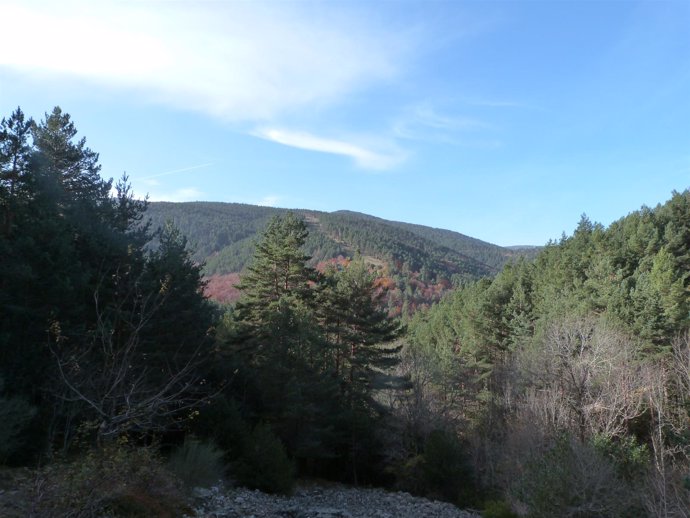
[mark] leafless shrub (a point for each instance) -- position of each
(109, 372)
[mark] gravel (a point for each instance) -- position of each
(320, 502)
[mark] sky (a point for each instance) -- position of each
(502, 120)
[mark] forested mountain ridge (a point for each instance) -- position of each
(213, 226)
(419, 262)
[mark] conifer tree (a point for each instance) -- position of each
(15, 154)
(357, 331)
(277, 294)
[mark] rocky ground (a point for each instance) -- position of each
(310, 500)
(321, 502)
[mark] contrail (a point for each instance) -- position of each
(184, 169)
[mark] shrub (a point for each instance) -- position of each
(264, 464)
(571, 479)
(446, 469)
(222, 422)
(442, 470)
(409, 475)
(498, 509)
(630, 458)
(117, 480)
(15, 415)
(197, 463)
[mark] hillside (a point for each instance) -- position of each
(417, 264)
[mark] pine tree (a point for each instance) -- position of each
(70, 163)
(357, 331)
(278, 343)
(15, 154)
(277, 293)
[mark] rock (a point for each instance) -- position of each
(321, 502)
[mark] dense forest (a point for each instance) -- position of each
(557, 385)
(416, 264)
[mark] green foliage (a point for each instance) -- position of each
(277, 279)
(308, 352)
(223, 236)
(264, 464)
(579, 341)
(197, 463)
(631, 459)
(404, 248)
(418, 263)
(498, 509)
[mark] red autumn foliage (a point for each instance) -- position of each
(221, 288)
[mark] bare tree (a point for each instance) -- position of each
(669, 395)
(585, 379)
(116, 378)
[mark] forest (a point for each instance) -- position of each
(416, 264)
(551, 383)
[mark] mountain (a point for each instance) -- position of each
(416, 264)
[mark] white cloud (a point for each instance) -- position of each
(179, 195)
(269, 201)
(363, 156)
(240, 61)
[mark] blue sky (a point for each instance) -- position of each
(501, 120)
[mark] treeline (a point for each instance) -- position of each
(223, 235)
(493, 256)
(212, 227)
(404, 249)
(568, 376)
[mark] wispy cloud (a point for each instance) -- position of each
(364, 157)
(425, 122)
(175, 171)
(239, 61)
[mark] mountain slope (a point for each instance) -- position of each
(420, 262)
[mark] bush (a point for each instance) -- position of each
(572, 479)
(498, 509)
(222, 422)
(630, 458)
(197, 463)
(117, 480)
(264, 464)
(446, 469)
(15, 415)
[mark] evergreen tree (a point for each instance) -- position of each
(357, 331)
(278, 272)
(278, 343)
(86, 320)
(68, 162)
(15, 154)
